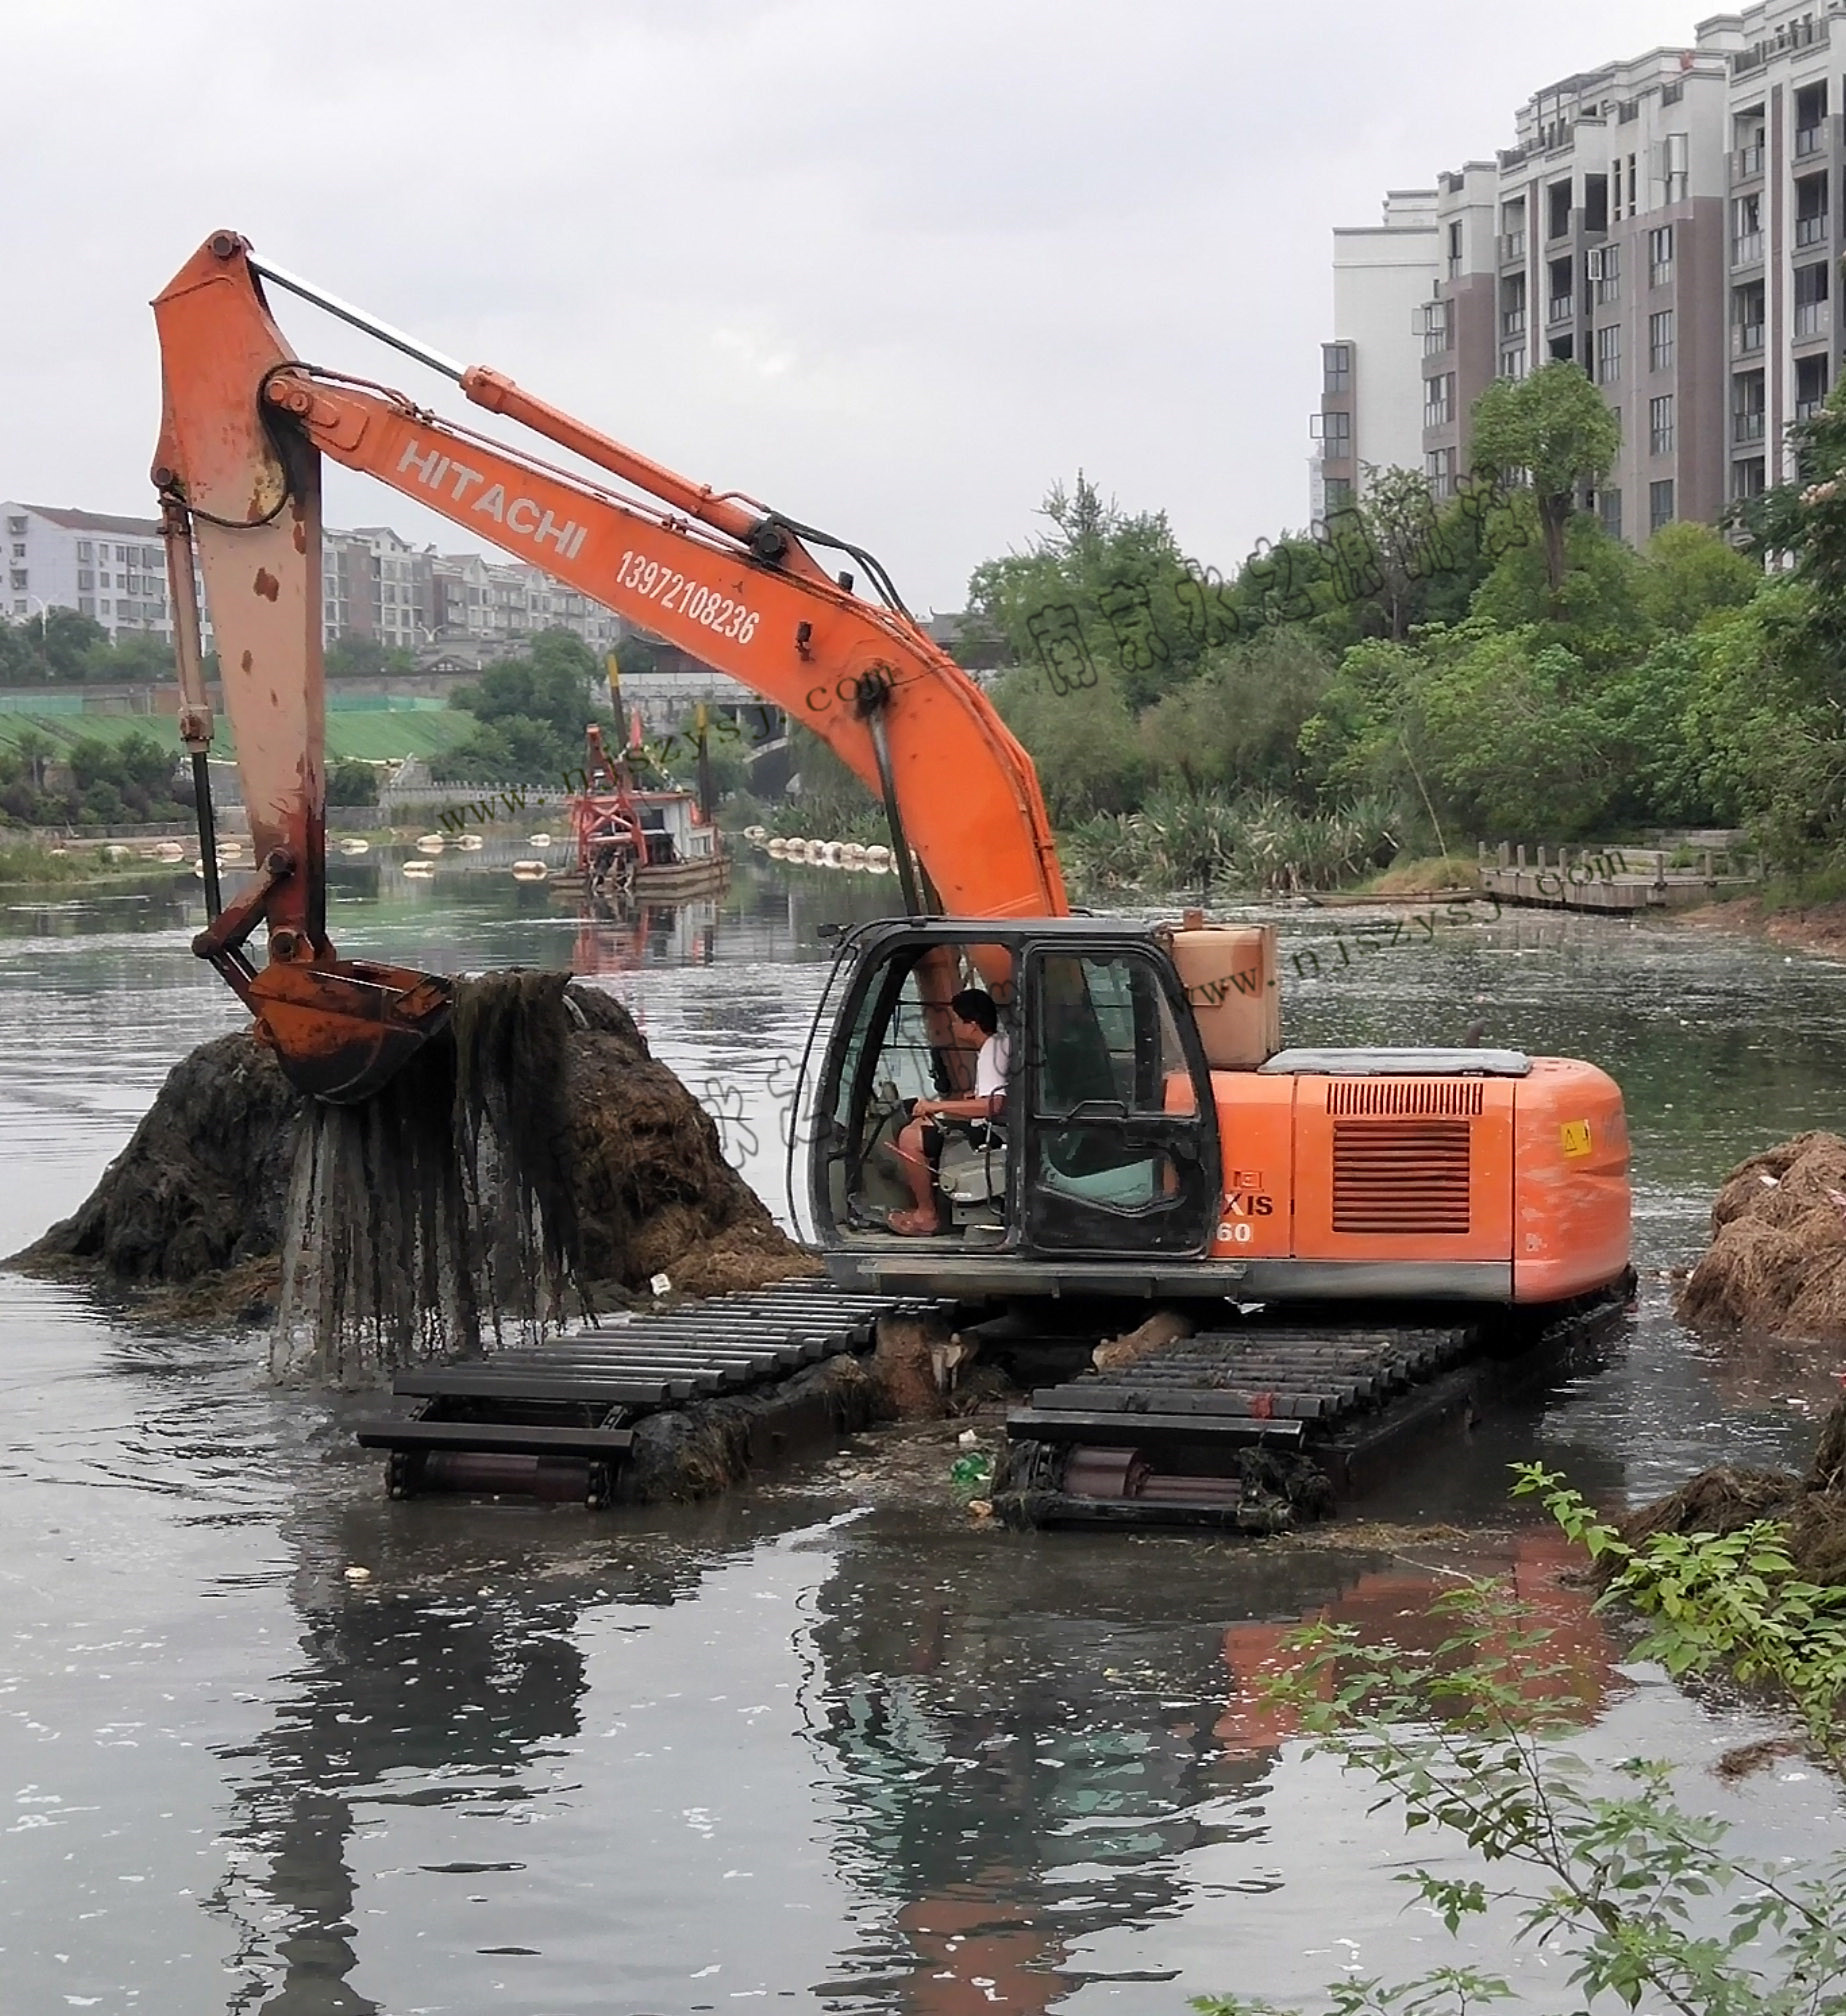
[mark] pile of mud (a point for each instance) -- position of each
(1812, 1508)
(1777, 1259)
(540, 1120)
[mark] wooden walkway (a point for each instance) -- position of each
(1620, 879)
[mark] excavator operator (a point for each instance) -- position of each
(974, 1024)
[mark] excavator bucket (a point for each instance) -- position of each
(341, 1029)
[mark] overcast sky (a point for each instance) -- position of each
(894, 269)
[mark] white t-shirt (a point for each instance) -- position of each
(990, 1066)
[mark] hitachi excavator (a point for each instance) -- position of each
(1154, 1139)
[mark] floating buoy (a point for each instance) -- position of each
(430, 843)
(469, 843)
(831, 853)
(530, 871)
(419, 871)
(169, 850)
(538, 839)
(756, 835)
(355, 846)
(115, 853)
(230, 850)
(878, 867)
(777, 850)
(854, 850)
(878, 855)
(198, 869)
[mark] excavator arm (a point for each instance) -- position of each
(245, 425)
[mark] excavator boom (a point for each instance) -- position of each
(244, 429)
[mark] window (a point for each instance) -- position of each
(86, 605)
(1811, 210)
(1336, 367)
(16, 528)
(19, 578)
(1513, 364)
(1748, 477)
(1557, 209)
(1436, 335)
(1748, 406)
(1338, 491)
(1675, 158)
(1660, 256)
(1746, 229)
(1439, 400)
(1813, 310)
(1660, 425)
(1609, 510)
(86, 577)
(1455, 249)
(1605, 273)
(1659, 505)
(1513, 305)
(1439, 470)
(1747, 311)
(1810, 386)
(19, 549)
(1336, 437)
(1609, 354)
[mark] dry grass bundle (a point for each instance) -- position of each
(1812, 1508)
(1777, 1259)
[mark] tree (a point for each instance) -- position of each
(532, 713)
(352, 783)
(1688, 572)
(365, 657)
(1555, 428)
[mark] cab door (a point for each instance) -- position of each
(1121, 1138)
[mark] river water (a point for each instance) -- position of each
(821, 1743)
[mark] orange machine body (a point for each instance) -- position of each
(1529, 1172)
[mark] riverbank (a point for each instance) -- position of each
(1777, 916)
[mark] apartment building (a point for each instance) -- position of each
(374, 584)
(112, 569)
(1371, 405)
(1787, 94)
(1666, 223)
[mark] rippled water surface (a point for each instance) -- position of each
(795, 1747)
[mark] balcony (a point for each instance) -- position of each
(1807, 409)
(1747, 162)
(1561, 308)
(1811, 230)
(1747, 249)
(1813, 318)
(1809, 140)
(1512, 322)
(1747, 428)
(1512, 246)
(1437, 340)
(1746, 338)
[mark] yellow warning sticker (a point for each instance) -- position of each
(1575, 1135)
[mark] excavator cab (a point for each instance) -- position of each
(1105, 1145)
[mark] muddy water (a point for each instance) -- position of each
(824, 1744)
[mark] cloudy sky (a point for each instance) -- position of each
(891, 268)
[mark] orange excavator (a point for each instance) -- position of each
(1156, 1141)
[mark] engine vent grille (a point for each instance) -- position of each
(1444, 1096)
(1402, 1177)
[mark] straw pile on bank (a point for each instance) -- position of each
(1777, 1259)
(1811, 1508)
(532, 1160)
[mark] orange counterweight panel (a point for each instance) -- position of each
(1403, 1168)
(1256, 1133)
(1571, 1196)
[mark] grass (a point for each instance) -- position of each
(1806, 891)
(25, 864)
(1427, 875)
